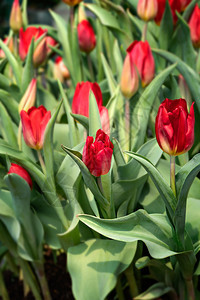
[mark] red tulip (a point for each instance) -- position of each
(60, 70)
(16, 16)
(194, 24)
(21, 172)
(147, 9)
(184, 4)
(86, 36)
(80, 103)
(34, 123)
(141, 56)
(97, 155)
(175, 5)
(175, 127)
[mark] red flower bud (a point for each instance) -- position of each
(21, 172)
(34, 123)
(40, 53)
(184, 4)
(28, 99)
(16, 16)
(175, 5)
(25, 38)
(141, 56)
(97, 155)
(60, 70)
(175, 127)
(194, 24)
(147, 9)
(86, 36)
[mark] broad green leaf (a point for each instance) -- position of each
(105, 17)
(82, 119)
(10, 104)
(192, 219)
(95, 265)
(118, 59)
(72, 127)
(109, 74)
(143, 106)
(166, 28)
(154, 230)
(118, 154)
(184, 180)
(163, 188)
(112, 105)
(8, 128)
(155, 291)
(16, 67)
(28, 72)
(192, 78)
(48, 149)
(94, 117)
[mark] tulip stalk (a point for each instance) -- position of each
(144, 32)
(19, 137)
(42, 164)
(172, 174)
(39, 268)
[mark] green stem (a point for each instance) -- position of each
(39, 268)
(190, 289)
(90, 67)
(119, 289)
(42, 164)
(100, 185)
(19, 137)
(127, 123)
(172, 174)
(15, 37)
(131, 281)
(144, 32)
(72, 16)
(3, 289)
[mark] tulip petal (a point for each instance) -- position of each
(103, 162)
(27, 130)
(43, 126)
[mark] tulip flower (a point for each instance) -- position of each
(8, 42)
(175, 5)
(25, 38)
(21, 172)
(60, 70)
(72, 2)
(16, 17)
(86, 36)
(129, 77)
(97, 155)
(34, 123)
(141, 56)
(184, 4)
(28, 100)
(194, 24)
(104, 117)
(175, 126)
(147, 9)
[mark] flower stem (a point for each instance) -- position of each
(72, 16)
(131, 281)
(19, 137)
(89, 61)
(42, 164)
(39, 268)
(100, 184)
(15, 38)
(144, 32)
(127, 122)
(190, 289)
(172, 174)
(119, 289)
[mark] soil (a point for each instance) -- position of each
(57, 277)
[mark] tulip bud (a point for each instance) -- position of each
(28, 100)
(184, 4)
(60, 70)
(81, 13)
(50, 42)
(175, 126)
(141, 56)
(40, 53)
(16, 17)
(129, 78)
(34, 123)
(97, 155)
(104, 117)
(194, 25)
(86, 36)
(185, 92)
(147, 9)
(16, 169)
(8, 42)
(72, 2)
(175, 5)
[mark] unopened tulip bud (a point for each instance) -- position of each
(40, 53)
(81, 13)
(147, 9)
(194, 25)
(86, 36)
(16, 17)
(60, 70)
(17, 169)
(8, 42)
(129, 78)
(28, 100)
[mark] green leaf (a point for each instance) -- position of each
(48, 149)
(72, 127)
(109, 74)
(184, 179)
(11, 105)
(28, 72)
(188, 73)
(8, 128)
(95, 265)
(166, 28)
(163, 188)
(154, 230)
(105, 17)
(82, 119)
(94, 117)
(118, 154)
(155, 291)
(16, 67)
(142, 108)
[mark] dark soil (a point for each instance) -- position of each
(58, 279)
